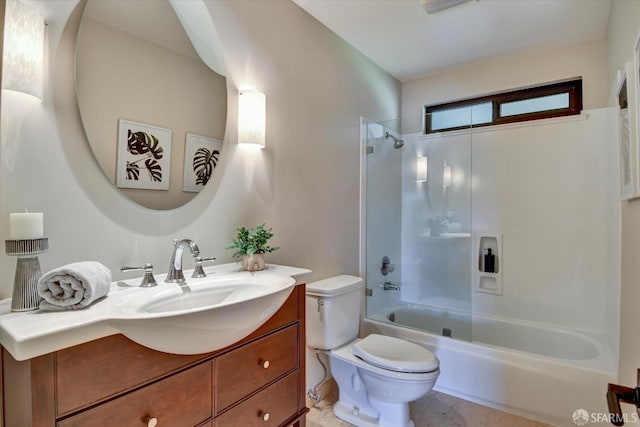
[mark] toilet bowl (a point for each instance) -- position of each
(375, 395)
(377, 376)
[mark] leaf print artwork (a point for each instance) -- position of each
(144, 143)
(143, 156)
(204, 161)
(201, 156)
(133, 171)
(154, 169)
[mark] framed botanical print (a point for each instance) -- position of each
(635, 76)
(144, 156)
(625, 89)
(201, 156)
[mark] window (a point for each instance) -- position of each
(463, 116)
(541, 102)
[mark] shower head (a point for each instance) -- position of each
(397, 143)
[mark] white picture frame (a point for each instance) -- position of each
(626, 139)
(635, 72)
(201, 156)
(144, 156)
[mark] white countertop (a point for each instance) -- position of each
(33, 333)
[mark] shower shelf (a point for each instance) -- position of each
(449, 236)
(489, 282)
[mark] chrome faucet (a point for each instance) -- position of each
(175, 266)
(388, 286)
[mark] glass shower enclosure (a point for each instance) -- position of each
(417, 228)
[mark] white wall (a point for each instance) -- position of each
(545, 187)
(623, 28)
(436, 271)
(317, 89)
(509, 192)
(524, 68)
(304, 185)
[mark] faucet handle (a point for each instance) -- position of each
(386, 266)
(147, 280)
(198, 271)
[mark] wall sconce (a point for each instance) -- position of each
(251, 119)
(23, 52)
(422, 165)
(446, 176)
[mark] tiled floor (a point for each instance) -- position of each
(433, 410)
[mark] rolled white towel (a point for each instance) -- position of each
(74, 286)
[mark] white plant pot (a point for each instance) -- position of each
(253, 262)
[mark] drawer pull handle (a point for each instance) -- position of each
(265, 363)
(151, 421)
(264, 415)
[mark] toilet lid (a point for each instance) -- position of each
(395, 354)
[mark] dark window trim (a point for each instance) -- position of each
(571, 87)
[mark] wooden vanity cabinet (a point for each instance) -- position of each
(114, 382)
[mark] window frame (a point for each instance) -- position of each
(572, 87)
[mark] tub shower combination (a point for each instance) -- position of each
(533, 370)
(537, 370)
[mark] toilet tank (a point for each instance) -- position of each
(333, 311)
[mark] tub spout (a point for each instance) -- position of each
(388, 286)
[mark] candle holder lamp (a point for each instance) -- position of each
(25, 289)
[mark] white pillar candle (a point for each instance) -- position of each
(24, 226)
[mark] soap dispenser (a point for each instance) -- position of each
(489, 262)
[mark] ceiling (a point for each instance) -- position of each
(401, 38)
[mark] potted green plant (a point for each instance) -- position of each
(251, 245)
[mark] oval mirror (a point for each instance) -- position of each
(154, 113)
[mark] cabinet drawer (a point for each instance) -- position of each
(91, 372)
(277, 403)
(182, 400)
(245, 370)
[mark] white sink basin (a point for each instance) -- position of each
(202, 315)
(189, 300)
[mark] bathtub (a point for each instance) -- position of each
(534, 370)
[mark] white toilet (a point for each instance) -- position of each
(377, 376)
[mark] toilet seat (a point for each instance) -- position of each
(395, 354)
